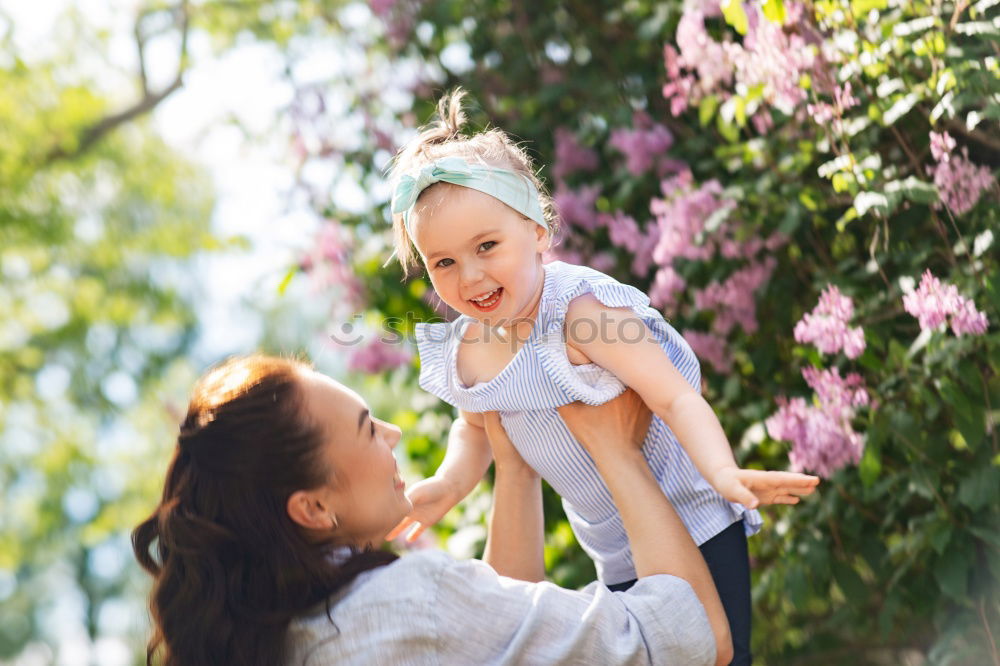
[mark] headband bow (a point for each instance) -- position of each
(510, 187)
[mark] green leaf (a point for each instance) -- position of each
(706, 109)
(774, 10)
(728, 130)
(980, 488)
(285, 281)
(865, 201)
(952, 573)
(913, 189)
(861, 8)
(849, 581)
(870, 466)
(735, 16)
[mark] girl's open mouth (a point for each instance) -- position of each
(488, 301)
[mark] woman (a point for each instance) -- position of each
(281, 485)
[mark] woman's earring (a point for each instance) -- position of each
(333, 522)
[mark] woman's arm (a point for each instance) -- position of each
(660, 543)
(515, 541)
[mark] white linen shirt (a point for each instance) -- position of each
(429, 608)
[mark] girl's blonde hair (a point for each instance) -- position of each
(444, 138)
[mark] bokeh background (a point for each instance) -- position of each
(807, 190)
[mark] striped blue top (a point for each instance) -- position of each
(540, 378)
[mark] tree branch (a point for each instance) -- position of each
(149, 101)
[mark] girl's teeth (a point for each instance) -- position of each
(489, 299)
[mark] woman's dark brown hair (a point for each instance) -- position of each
(230, 568)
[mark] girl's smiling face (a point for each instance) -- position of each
(484, 259)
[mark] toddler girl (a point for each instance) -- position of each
(532, 337)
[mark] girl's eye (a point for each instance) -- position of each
(373, 427)
(487, 245)
(442, 264)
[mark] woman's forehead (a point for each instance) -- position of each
(330, 402)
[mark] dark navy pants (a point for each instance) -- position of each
(729, 563)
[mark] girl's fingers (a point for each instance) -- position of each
(398, 529)
(418, 529)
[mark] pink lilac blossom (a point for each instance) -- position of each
(711, 348)
(679, 87)
(563, 254)
(826, 326)
(933, 302)
(822, 438)
(681, 219)
(959, 182)
(823, 113)
(378, 356)
(643, 144)
(571, 156)
(733, 299)
(775, 59)
(381, 8)
(712, 61)
(329, 264)
(601, 261)
(576, 207)
(625, 233)
(942, 144)
(666, 285)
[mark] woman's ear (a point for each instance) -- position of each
(305, 508)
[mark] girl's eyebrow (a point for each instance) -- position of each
(472, 241)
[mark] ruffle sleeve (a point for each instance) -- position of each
(590, 383)
(434, 346)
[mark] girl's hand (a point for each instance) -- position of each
(617, 425)
(505, 456)
(431, 498)
(752, 487)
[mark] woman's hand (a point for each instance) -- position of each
(505, 456)
(612, 428)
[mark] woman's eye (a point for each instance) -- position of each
(373, 428)
(444, 263)
(487, 245)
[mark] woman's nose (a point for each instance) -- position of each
(393, 434)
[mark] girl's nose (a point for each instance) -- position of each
(471, 273)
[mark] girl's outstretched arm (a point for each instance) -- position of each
(466, 459)
(625, 346)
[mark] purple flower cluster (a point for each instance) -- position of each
(826, 326)
(711, 348)
(822, 438)
(328, 264)
(770, 57)
(576, 207)
(833, 114)
(960, 183)
(625, 233)
(378, 356)
(571, 155)
(934, 302)
(733, 298)
(643, 144)
(693, 225)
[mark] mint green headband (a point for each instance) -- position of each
(510, 187)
